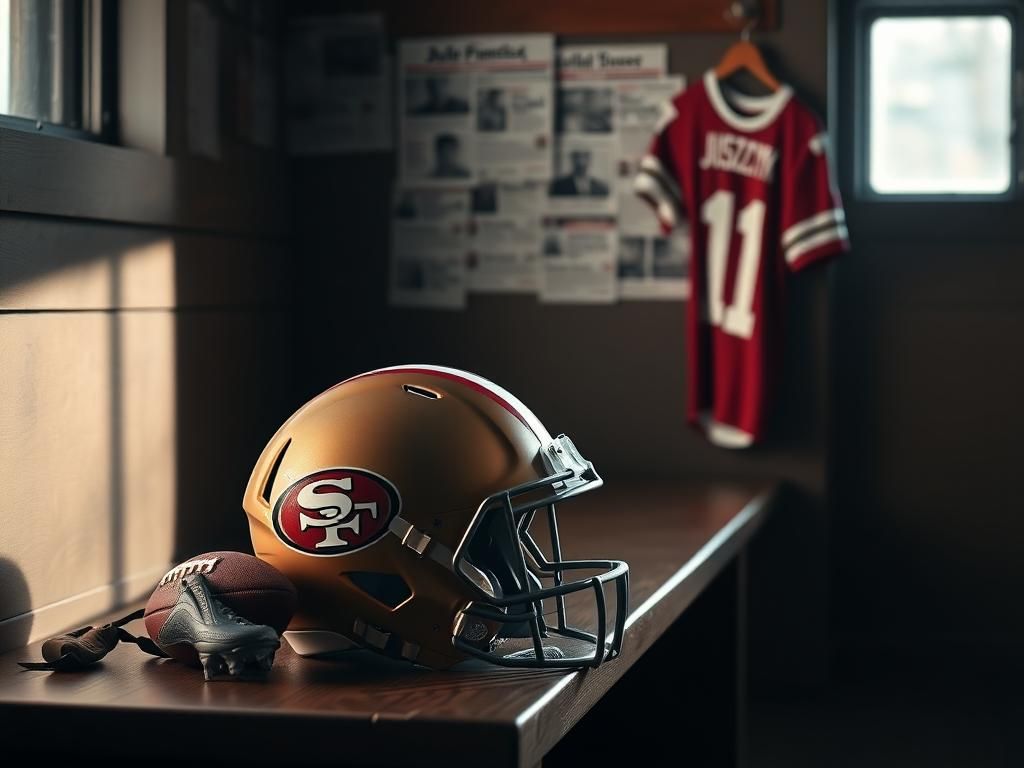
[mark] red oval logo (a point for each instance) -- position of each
(335, 511)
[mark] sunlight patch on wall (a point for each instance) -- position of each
(59, 280)
(88, 436)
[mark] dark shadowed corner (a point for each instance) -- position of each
(15, 606)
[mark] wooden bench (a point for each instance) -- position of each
(677, 540)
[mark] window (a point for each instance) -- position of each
(52, 64)
(939, 104)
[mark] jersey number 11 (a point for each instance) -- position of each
(736, 318)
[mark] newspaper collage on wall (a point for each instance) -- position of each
(515, 159)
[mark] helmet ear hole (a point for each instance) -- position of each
(389, 589)
(268, 486)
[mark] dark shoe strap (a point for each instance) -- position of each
(78, 649)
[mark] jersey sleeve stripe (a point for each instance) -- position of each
(655, 186)
(666, 209)
(836, 233)
(651, 166)
(798, 230)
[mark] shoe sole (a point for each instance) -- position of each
(242, 662)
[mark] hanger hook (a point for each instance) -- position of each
(748, 11)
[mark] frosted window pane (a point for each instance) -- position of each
(940, 105)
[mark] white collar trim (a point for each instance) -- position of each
(767, 107)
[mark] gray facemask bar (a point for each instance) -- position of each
(573, 475)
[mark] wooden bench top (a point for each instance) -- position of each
(676, 538)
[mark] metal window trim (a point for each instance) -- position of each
(98, 84)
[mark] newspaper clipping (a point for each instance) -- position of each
(587, 122)
(429, 244)
(505, 235)
(650, 266)
(579, 258)
(642, 105)
(339, 90)
(655, 266)
(475, 109)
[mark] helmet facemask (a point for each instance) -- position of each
(523, 595)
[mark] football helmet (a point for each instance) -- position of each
(401, 504)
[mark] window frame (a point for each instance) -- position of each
(99, 80)
(870, 11)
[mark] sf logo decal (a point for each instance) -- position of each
(335, 511)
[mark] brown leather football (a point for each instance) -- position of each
(245, 584)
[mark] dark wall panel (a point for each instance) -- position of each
(927, 531)
(233, 394)
(929, 418)
(570, 17)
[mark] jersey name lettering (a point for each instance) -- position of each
(738, 154)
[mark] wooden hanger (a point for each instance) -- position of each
(745, 55)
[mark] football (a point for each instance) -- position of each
(245, 584)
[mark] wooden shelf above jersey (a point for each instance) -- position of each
(675, 538)
(567, 17)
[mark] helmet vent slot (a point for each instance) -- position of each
(429, 394)
(268, 486)
(389, 589)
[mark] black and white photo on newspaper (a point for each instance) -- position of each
(475, 109)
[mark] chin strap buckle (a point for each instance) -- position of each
(410, 651)
(377, 638)
(416, 540)
(421, 543)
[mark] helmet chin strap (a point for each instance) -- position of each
(419, 542)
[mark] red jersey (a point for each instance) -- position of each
(754, 181)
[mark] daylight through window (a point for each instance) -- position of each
(940, 105)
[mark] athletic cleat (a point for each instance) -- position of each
(240, 663)
(226, 643)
